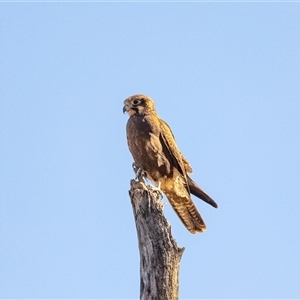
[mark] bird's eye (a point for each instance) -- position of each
(136, 102)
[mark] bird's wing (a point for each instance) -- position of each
(186, 164)
(182, 164)
(198, 192)
(171, 150)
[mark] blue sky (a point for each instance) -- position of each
(225, 76)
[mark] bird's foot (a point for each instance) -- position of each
(158, 190)
(140, 174)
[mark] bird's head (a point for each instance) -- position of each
(138, 105)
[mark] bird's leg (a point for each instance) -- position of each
(159, 184)
(158, 190)
(135, 168)
(139, 173)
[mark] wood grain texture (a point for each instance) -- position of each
(159, 254)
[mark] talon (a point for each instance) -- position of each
(140, 174)
(158, 190)
(135, 168)
(160, 194)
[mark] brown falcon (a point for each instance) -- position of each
(154, 150)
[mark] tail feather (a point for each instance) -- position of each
(199, 224)
(198, 192)
(186, 211)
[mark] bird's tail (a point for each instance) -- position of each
(186, 211)
(198, 192)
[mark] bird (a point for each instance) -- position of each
(156, 155)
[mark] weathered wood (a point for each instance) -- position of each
(159, 254)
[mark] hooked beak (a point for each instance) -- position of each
(124, 109)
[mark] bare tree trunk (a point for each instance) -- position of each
(159, 253)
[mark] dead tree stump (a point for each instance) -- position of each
(159, 254)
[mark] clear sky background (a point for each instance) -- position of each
(225, 76)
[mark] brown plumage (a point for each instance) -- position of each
(154, 150)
